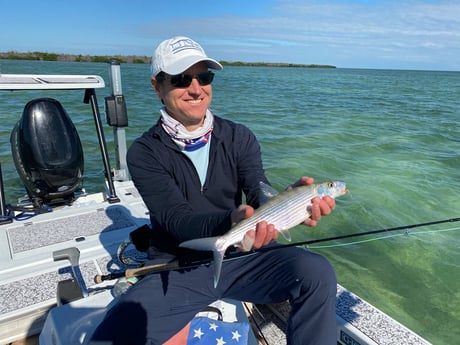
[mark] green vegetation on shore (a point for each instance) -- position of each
(72, 58)
(133, 59)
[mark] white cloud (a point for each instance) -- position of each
(341, 33)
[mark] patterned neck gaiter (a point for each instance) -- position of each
(187, 141)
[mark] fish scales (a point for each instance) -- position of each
(284, 211)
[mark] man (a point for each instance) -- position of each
(191, 169)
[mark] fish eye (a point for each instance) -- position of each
(330, 184)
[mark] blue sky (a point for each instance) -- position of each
(353, 34)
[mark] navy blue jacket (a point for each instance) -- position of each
(180, 209)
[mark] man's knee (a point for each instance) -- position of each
(316, 272)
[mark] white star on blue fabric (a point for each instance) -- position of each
(213, 326)
(220, 341)
(206, 331)
(236, 336)
(198, 333)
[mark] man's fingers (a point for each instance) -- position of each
(316, 209)
(242, 212)
(303, 181)
(248, 241)
(261, 234)
(272, 234)
(248, 212)
(330, 202)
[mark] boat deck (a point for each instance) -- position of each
(29, 276)
(358, 323)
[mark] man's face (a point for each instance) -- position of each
(188, 104)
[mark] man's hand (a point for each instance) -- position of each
(319, 206)
(265, 233)
(262, 235)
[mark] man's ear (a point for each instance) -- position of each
(154, 83)
(156, 87)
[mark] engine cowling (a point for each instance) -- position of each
(47, 150)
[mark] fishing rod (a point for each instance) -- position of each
(363, 233)
(184, 263)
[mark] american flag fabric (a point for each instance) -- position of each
(207, 331)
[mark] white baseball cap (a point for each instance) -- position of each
(177, 54)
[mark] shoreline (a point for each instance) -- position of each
(41, 56)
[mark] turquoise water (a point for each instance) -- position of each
(393, 136)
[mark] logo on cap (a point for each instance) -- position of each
(184, 44)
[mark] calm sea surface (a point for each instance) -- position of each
(393, 136)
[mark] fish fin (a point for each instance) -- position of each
(286, 234)
(205, 243)
(218, 259)
(266, 192)
(208, 243)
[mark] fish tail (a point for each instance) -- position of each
(205, 243)
(210, 244)
(218, 259)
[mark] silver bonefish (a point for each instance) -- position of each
(284, 211)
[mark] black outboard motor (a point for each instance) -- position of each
(47, 151)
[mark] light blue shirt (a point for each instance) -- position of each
(200, 159)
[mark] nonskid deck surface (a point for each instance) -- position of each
(358, 323)
(32, 235)
(28, 274)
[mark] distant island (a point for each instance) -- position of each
(134, 59)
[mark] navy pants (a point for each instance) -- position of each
(161, 304)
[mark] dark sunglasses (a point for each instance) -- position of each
(184, 80)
